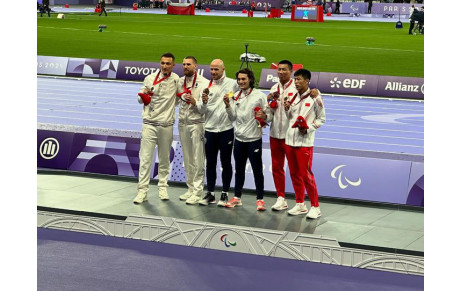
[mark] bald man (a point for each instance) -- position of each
(219, 134)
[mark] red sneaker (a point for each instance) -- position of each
(260, 205)
(235, 201)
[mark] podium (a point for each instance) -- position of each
(311, 13)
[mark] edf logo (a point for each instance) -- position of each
(49, 148)
(348, 83)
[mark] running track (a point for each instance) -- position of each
(352, 123)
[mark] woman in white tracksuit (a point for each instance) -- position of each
(241, 109)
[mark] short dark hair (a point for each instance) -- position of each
(286, 62)
(246, 71)
(192, 58)
(304, 73)
(168, 55)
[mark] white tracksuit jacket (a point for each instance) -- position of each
(161, 110)
(312, 109)
(191, 133)
(216, 117)
(278, 117)
(241, 111)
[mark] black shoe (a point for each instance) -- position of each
(208, 199)
(223, 200)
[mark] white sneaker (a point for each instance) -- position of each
(194, 199)
(141, 197)
(223, 200)
(186, 195)
(280, 204)
(314, 213)
(163, 194)
(299, 208)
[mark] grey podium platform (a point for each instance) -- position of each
(386, 228)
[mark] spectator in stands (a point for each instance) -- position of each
(246, 109)
(305, 115)
(158, 95)
(102, 3)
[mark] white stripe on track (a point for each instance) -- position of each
(139, 110)
(371, 135)
(391, 110)
(372, 122)
(86, 119)
(356, 141)
(93, 113)
(326, 125)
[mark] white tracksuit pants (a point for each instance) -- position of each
(153, 136)
(192, 141)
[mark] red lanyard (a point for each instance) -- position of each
(210, 84)
(284, 87)
(193, 84)
(161, 80)
(239, 94)
(303, 96)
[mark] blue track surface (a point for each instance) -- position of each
(376, 125)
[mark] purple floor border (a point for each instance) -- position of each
(80, 261)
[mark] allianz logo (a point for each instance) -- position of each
(347, 83)
(399, 86)
(49, 148)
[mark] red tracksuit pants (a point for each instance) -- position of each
(300, 162)
(278, 153)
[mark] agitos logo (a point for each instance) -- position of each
(343, 185)
(227, 243)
